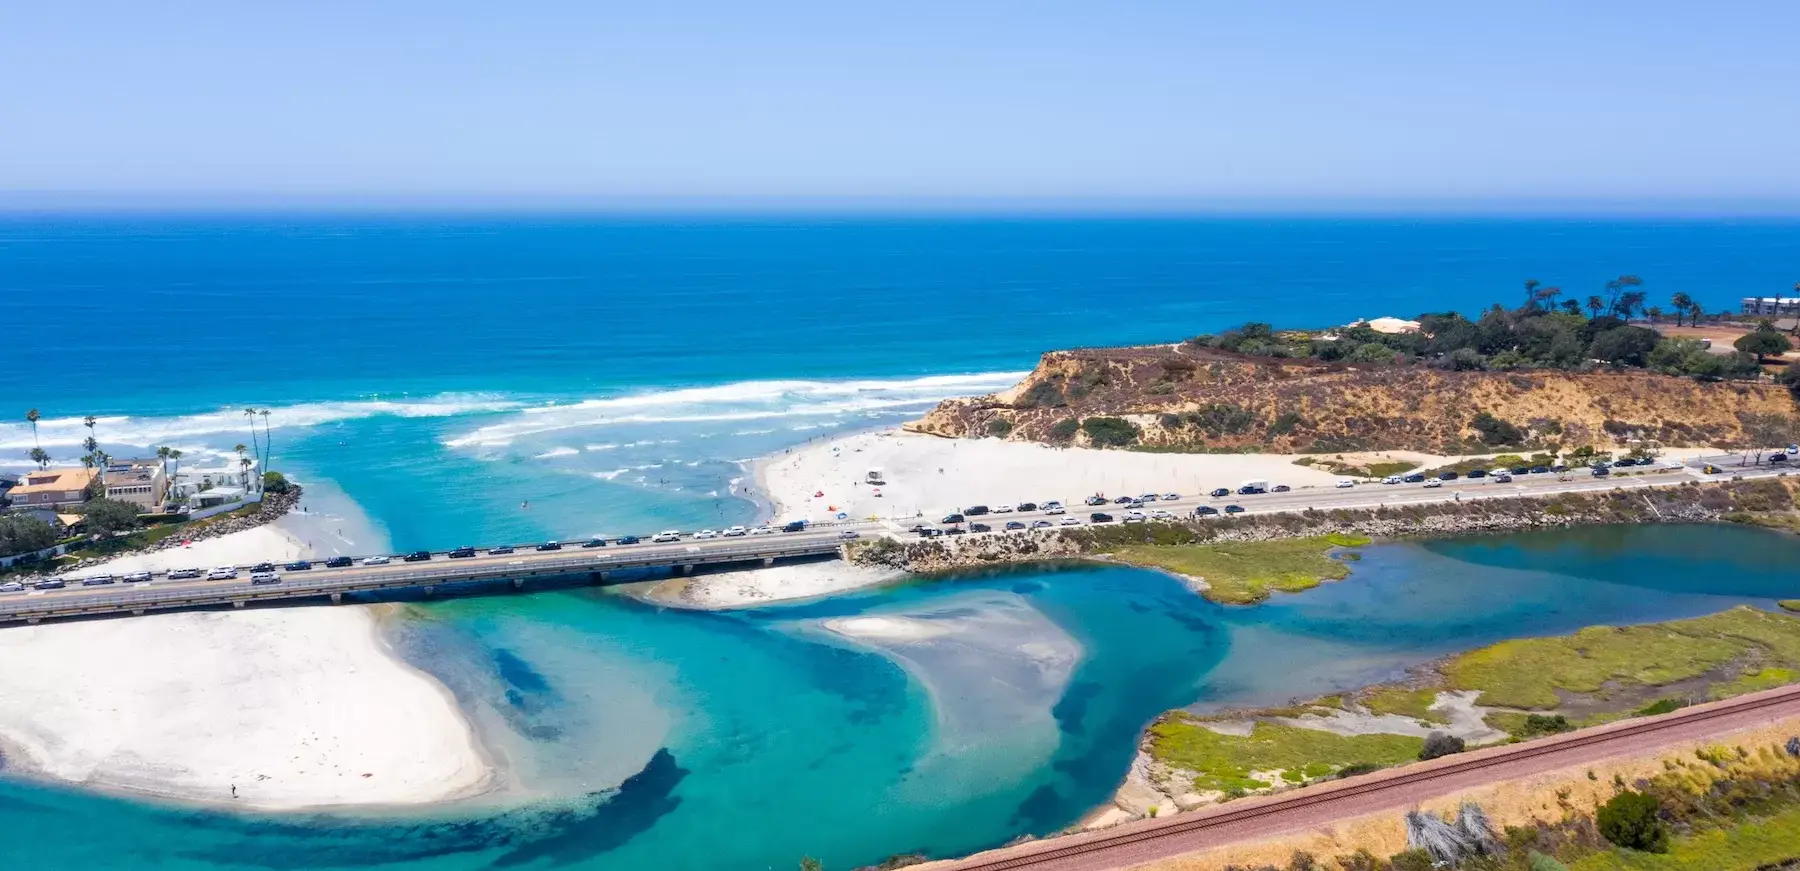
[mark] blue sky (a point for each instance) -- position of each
(691, 102)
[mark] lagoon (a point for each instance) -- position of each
(936, 715)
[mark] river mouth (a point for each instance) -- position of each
(939, 716)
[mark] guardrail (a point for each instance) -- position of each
(374, 579)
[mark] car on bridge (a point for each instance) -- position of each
(135, 577)
(185, 574)
(464, 552)
(262, 578)
(12, 587)
(794, 526)
(97, 581)
(263, 567)
(502, 550)
(1205, 511)
(417, 556)
(851, 533)
(596, 541)
(706, 533)
(736, 531)
(666, 536)
(627, 539)
(550, 545)
(50, 584)
(376, 561)
(298, 565)
(339, 562)
(222, 573)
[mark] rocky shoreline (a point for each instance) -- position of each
(270, 509)
(1688, 503)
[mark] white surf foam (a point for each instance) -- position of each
(65, 432)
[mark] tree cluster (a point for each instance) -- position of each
(22, 534)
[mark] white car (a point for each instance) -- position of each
(1345, 483)
(1674, 464)
(736, 531)
(376, 561)
(1433, 482)
(136, 577)
(1391, 479)
(12, 587)
(706, 533)
(1160, 514)
(849, 534)
(1134, 517)
(222, 573)
(1070, 521)
(184, 574)
(666, 536)
(763, 530)
(1002, 509)
(1054, 509)
(260, 578)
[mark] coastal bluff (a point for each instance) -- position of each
(1182, 397)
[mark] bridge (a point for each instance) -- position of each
(321, 584)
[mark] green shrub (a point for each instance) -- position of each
(1494, 431)
(999, 427)
(1661, 706)
(1412, 860)
(1112, 432)
(1440, 744)
(1284, 423)
(1064, 430)
(1630, 820)
(1541, 862)
(275, 482)
(1544, 724)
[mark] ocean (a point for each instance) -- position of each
(445, 380)
(469, 379)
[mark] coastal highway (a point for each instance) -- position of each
(1390, 791)
(819, 540)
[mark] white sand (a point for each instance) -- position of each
(992, 472)
(887, 628)
(296, 707)
(763, 586)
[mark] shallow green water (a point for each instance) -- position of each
(676, 740)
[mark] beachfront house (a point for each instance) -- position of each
(51, 488)
(1770, 306)
(211, 486)
(140, 482)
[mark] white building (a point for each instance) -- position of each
(1770, 306)
(207, 486)
(140, 482)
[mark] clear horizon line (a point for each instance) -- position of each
(51, 203)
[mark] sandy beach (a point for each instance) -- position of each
(766, 586)
(295, 707)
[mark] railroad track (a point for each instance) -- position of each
(1344, 791)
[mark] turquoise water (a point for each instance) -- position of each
(687, 740)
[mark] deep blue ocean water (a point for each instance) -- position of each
(437, 376)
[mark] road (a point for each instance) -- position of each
(819, 539)
(1393, 790)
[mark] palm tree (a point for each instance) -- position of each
(42, 459)
(93, 447)
(1628, 302)
(1654, 313)
(239, 447)
(162, 453)
(32, 417)
(268, 446)
(1531, 297)
(1549, 295)
(251, 413)
(1595, 304)
(1618, 286)
(1682, 303)
(244, 475)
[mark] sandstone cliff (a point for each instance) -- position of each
(1178, 397)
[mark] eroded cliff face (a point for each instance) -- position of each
(1182, 398)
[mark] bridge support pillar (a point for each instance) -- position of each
(238, 603)
(430, 590)
(337, 598)
(599, 577)
(518, 583)
(686, 568)
(137, 612)
(768, 561)
(34, 620)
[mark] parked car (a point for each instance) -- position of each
(666, 536)
(417, 556)
(1778, 458)
(97, 581)
(849, 534)
(1014, 524)
(596, 541)
(1095, 499)
(975, 510)
(956, 530)
(1435, 482)
(1345, 483)
(463, 552)
(344, 562)
(550, 545)
(376, 561)
(794, 526)
(952, 518)
(1601, 471)
(298, 565)
(1099, 517)
(929, 532)
(1414, 478)
(632, 539)
(980, 527)
(1028, 506)
(1040, 524)
(1526, 470)
(1205, 511)
(1220, 492)
(1234, 509)
(1556, 467)
(264, 578)
(502, 550)
(135, 577)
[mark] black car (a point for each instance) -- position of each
(1280, 488)
(975, 510)
(1014, 524)
(417, 556)
(52, 584)
(263, 567)
(1447, 476)
(1027, 506)
(1414, 478)
(1205, 511)
(1478, 473)
(952, 518)
(1098, 517)
(1123, 500)
(980, 527)
(1220, 492)
(1524, 470)
(930, 532)
(1559, 467)
(795, 526)
(339, 562)
(500, 551)
(1095, 500)
(96, 582)
(594, 542)
(298, 565)
(1234, 509)
(550, 545)
(1778, 458)
(1601, 471)
(956, 531)
(463, 552)
(628, 539)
